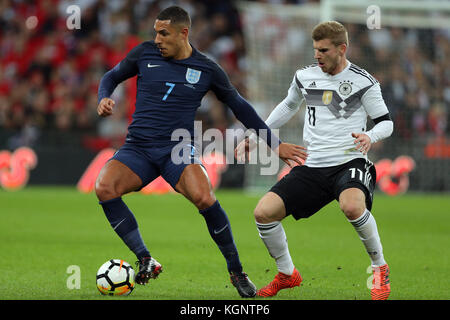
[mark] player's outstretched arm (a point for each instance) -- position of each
(286, 151)
(284, 111)
(245, 113)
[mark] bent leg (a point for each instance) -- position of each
(268, 215)
(270, 209)
(352, 203)
(195, 186)
(116, 179)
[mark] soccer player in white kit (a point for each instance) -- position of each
(339, 96)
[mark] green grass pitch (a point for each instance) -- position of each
(45, 230)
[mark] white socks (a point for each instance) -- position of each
(274, 237)
(366, 227)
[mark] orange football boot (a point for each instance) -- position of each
(381, 287)
(281, 281)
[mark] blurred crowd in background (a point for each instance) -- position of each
(414, 72)
(49, 74)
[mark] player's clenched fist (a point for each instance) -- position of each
(105, 107)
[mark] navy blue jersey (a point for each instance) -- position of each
(170, 91)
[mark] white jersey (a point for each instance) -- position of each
(336, 106)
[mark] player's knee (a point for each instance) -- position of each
(105, 191)
(203, 200)
(352, 209)
(269, 209)
(262, 214)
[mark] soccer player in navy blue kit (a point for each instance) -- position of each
(172, 79)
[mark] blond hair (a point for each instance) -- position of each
(332, 30)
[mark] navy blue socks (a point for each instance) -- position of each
(220, 230)
(124, 224)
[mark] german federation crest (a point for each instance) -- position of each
(345, 88)
(192, 75)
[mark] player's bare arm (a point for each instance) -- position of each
(105, 107)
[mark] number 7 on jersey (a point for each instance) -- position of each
(171, 86)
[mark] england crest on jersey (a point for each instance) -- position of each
(192, 75)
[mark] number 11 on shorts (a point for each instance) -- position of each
(353, 173)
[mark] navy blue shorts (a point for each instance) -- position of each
(150, 162)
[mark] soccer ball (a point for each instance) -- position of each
(115, 277)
